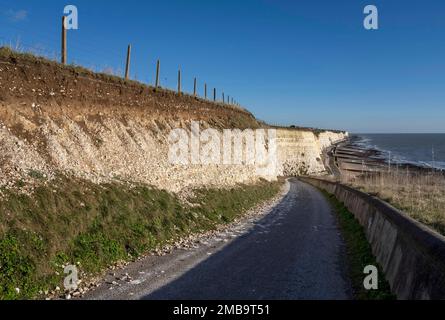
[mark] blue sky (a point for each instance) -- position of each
(307, 62)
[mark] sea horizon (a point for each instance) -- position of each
(422, 149)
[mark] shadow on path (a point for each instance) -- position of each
(295, 252)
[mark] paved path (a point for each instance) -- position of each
(293, 252)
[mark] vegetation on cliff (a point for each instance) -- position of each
(74, 221)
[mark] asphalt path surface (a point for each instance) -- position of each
(292, 251)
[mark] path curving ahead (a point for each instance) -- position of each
(293, 252)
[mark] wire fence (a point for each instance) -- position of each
(87, 54)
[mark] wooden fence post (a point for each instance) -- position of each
(214, 94)
(158, 69)
(205, 91)
(127, 65)
(223, 98)
(194, 87)
(63, 53)
(179, 81)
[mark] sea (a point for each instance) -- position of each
(426, 150)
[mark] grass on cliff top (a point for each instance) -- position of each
(74, 221)
(13, 55)
(359, 254)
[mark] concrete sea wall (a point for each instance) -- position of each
(411, 255)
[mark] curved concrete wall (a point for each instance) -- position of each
(411, 255)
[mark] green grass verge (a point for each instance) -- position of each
(359, 254)
(75, 221)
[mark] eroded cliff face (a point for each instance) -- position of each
(56, 120)
(108, 150)
(301, 152)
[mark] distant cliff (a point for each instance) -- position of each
(300, 152)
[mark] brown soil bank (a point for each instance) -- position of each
(68, 119)
(27, 80)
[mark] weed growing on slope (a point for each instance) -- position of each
(73, 221)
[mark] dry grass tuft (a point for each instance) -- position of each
(419, 194)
